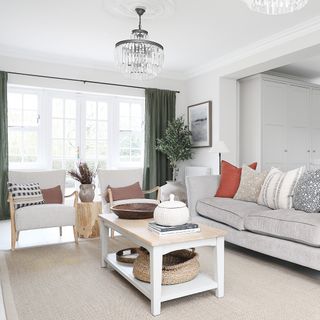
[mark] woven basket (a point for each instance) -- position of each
(177, 266)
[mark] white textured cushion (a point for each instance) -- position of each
(250, 184)
(44, 216)
(277, 189)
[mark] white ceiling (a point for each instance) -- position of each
(199, 32)
(308, 69)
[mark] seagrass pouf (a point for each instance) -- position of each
(177, 266)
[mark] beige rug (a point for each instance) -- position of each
(66, 282)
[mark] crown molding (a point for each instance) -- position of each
(19, 53)
(298, 31)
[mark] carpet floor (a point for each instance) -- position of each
(65, 282)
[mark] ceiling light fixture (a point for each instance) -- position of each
(275, 7)
(139, 58)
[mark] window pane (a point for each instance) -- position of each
(91, 110)
(136, 140)
(30, 118)
(15, 145)
(136, 124)
(135, 155)
(57, 164)
(102, 129)
(15, 101)
(125, 140)
(14, 118)
(57, 148)
(69, 164)
(70, 109)
(57, 128)
(91, 127)
(90, 149)
(102, 111)
(124, 155)
(57, 108)
(30, 102)
(102, 164)
(71, 148)
(136, 110)
(124, 123)
(70, 127)
(102, 149)
(30, 146)
(124, 109)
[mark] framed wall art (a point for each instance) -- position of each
(200, 124)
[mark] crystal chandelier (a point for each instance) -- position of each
(275, 7)
(139, 58)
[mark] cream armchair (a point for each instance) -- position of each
(44, 215)
(122, 178)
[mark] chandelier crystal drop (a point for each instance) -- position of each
(139, 58)
(276, 7)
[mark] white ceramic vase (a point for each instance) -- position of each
(171, 213)
(173, 187)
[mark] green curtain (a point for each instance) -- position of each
(160, 109)
(4, 208)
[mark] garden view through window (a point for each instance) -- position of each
(51, 129)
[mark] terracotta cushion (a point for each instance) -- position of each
(133, 191)
(230, 179)
(52, 195)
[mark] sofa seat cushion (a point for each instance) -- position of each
(44, 216)
(228, 211)
(287, 224)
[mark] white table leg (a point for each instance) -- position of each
(104, 239)
(155, 280)
(219, 267)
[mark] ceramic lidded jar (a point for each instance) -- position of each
(171, 213)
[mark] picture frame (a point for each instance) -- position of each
(200, 124)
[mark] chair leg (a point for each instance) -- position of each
(60, 228)
(13, 239)
(17, 237)
(112, 233)
(75, 233)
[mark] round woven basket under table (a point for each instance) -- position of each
(177, 266)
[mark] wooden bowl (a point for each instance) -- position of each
(134, 210)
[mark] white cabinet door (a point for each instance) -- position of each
(274, 101)
(315, 129)
(298, 127)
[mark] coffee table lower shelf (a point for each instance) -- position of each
(203, 282)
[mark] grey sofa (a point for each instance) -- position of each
(286, 234)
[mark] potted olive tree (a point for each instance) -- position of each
(176, 145)
(85, 176)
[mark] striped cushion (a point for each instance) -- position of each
(277, 189)
(25, 194)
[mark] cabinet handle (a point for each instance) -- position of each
(314, 151)
(285, 150)
(308, 151)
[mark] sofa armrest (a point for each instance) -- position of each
(199, 188)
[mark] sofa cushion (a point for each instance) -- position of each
(44, 216)
(227, 211)
(288, 224)
(230, 179)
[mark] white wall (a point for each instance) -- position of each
(223, 93)
(60, 70)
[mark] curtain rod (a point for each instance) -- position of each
(78, 80)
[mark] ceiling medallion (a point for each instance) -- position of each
(127, 8)
(275, 7)
(139, 58)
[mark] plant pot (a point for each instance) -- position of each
(176, 188)
(86, 193)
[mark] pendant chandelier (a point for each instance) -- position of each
(139, 58)
(275, 7)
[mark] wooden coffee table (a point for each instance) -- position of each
(137, 232)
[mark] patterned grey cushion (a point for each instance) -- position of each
(306, 195)
(250, 184)
(24, 195)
